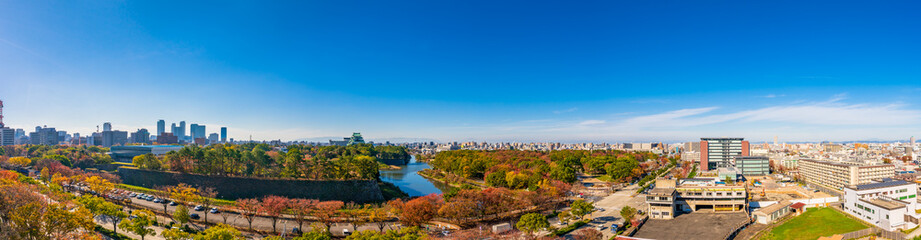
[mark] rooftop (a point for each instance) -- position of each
(885, 203)
(774, 207)
(886, 183)
(662, 191)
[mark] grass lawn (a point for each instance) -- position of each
(814, 223)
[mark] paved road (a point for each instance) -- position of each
(612, 205)
(259, 223)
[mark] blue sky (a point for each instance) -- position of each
(525, 71)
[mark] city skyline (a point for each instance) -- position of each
(597, 72)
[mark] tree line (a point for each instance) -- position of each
(357, 161)
(526, 169)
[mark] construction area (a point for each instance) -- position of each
(768, 189)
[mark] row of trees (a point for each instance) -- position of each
(358, 161)
(81, 156)
(526, 169)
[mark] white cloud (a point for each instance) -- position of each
(565, 111)
(592, 122)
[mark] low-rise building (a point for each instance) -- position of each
(837, 175)
(127, 153)
(773, 212)
(753, 166)
(889, 204)
(671, 197)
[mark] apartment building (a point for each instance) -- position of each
(753, 166)
(889, 204)
(837, 175)
(671, 197)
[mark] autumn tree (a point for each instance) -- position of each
(379, 216)
(205, 198)
(274, 206)
(141, 223)
(163, 193)
(301, 208)
(248, 209)
(327, 211)
(20, 161)
(588, 234)
(420, 210)
(112, 212)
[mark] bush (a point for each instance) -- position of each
(110, 233)
(569, 228)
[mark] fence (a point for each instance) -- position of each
(876, 232)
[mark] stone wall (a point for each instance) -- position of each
(359, 191)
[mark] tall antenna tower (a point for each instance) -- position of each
(1, 114)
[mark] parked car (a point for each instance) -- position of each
(346, 232)
(199, 208)
(214, 210)
(172, 203)
(157, 200)
(194, 216)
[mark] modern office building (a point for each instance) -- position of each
(167, 138)
(223, 134)
(213, 138)
(161, 127)
(44, 136)
(182, 133)
(753, 166)
(838, 175)
(889, 204)
(113, 138)
(7, 136)
(127, 153)
(720, 152)
(141, 136)
(671, 196)
(107, 126)
(197, 131)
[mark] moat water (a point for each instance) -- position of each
(409, 180)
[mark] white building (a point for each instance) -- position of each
(889, 204)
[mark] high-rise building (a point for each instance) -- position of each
(141, 136)
(182, 131)
(213, 138)
(912, 141)
(197, 131)
(113, 138)
(223, 134)
(107, 126)
(7, 136)
(720, 152)
(174, 129)
(44, 136)
(161, 127)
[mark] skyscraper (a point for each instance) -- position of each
(161, 127)
(223, 134)
(720, 152)
(182, 131)
(107, 126)
(197, 131)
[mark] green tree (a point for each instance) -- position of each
(581, 208)
(147, 161)
(99, 206)
(220, 232)
(627, 213)
(181, 215)
(140, 224)
(532, 222)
